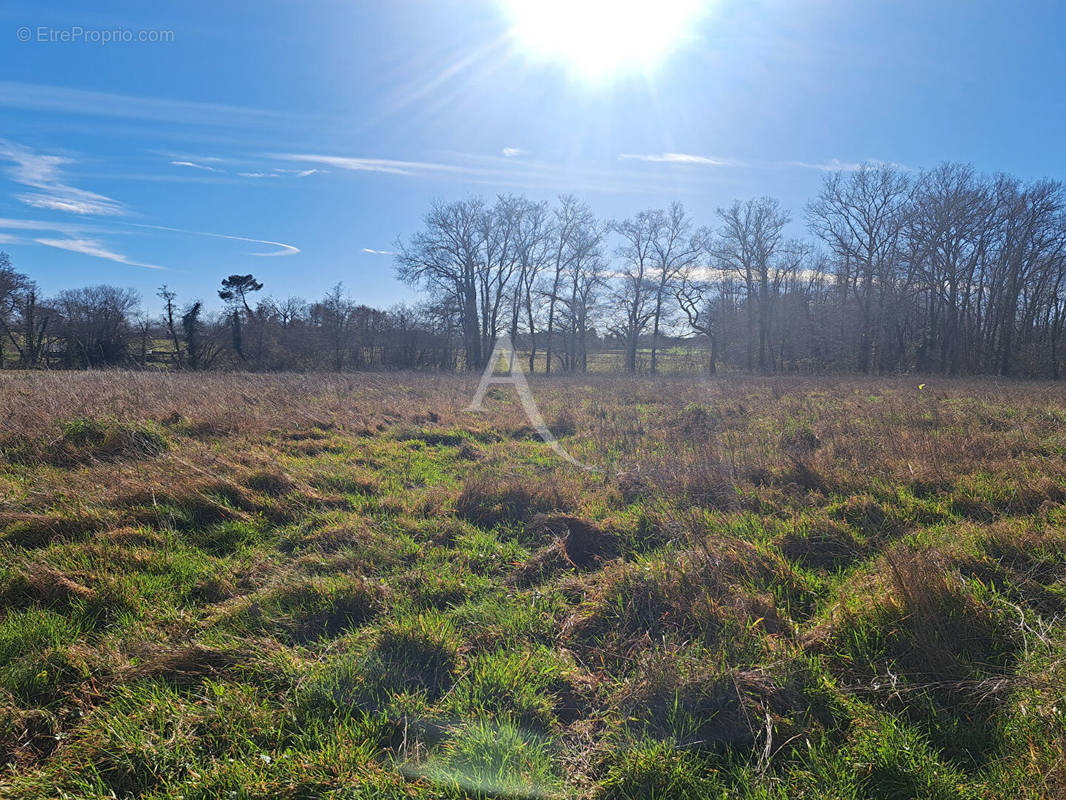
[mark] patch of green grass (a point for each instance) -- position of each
(417, 655)
(530, 689)
(657, 770)
(482, 760)
(39, 659)
(308, 609)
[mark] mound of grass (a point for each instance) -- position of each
(535, 690)
(657, 770)
(38, 530)
(710, 595)
(416, 656)
(826, 544)
(308, 609)
(489, 501)
(189, 665)
(40, 657)
(271, 483)
(482, 760)
(85, 440)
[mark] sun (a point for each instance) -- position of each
(602, 38)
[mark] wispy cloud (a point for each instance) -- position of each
(241, 167)
(385, 165)
(679, 158)
(84, 239)
(44, 173)
(58, 99)
(95, 248)
(499, 170)
(299, 173)
(76, 238)
(281, 173)
(283, 249)
(66, 228)
(836, 165)
(832, 165)
(194, 165)
(513, 152)
(378, 252)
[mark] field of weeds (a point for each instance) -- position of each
(234, 586)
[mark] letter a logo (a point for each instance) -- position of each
(514, 375)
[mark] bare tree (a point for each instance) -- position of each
(171, 322)
(695, 298)
(533, 245)
(17, 295)
(948, 233)
(586, 276)
(446, 259)
(676, 248)
(635, 287)
(860, 216)
(748, 244)
(573, 238)
(95, 325)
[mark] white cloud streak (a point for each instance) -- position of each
(282, 173)
(95, 248)
(44, 173)
(194, 165)
(69, 229)
(679, 158)
(74, 239)
(832, 165)
(283, 249)
(384, 165)
(58, 99)
(378, 252)
(493, 171)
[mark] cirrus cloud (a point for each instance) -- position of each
(44, 173)
(95, 248)
(679, 158)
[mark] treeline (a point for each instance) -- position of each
(99, 327)
(944, 271)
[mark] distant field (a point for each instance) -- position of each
(218, 586)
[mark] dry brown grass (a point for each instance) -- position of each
(706, 439)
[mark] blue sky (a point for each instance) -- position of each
(289, 139)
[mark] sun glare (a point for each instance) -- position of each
(600, 38)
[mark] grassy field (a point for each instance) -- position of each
(226, 586)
